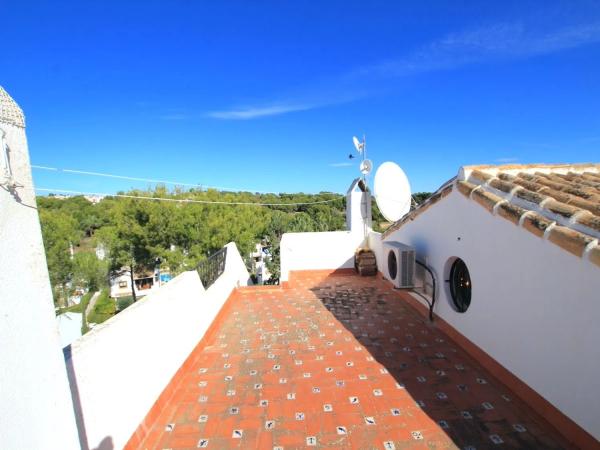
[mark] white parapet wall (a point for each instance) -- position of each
(120, 368)
(314, 251)
(35, 403)
(375, 243)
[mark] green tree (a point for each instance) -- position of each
(89, 271)
(420, 197)
(130, 246)
(135, 232)
(59, 232)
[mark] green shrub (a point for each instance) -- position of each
(124, 302)
(103, 310)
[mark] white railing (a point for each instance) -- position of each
(118, 370)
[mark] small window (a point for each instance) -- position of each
(460, 285)
(122, 284)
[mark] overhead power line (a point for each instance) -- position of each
(147, 180)
(184, 200)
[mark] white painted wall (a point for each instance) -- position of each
(534, 306)
(69, 327)
(313, 251)
(358, 208)
(118, 291)
(375, 243)
(121, 367)
(36, 411)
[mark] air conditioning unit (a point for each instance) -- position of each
(399, 263)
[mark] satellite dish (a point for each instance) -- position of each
(366, 166)
(392, 191)
(357, 144)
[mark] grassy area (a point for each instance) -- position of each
(86, 244)
(124, 302)
(79, 308)
(83, 306)
(103, 310)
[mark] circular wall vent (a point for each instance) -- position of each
(460, 285)
(392, 265)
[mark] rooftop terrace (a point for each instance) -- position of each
(328, 360)
(334, 361)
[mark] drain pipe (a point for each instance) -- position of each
(433, 293)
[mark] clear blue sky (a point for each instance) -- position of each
(267, 95)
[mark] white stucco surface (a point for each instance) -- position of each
(36, 410)
(122, 366)
(358, 208)
(375, 243)
(69, 327)
(534, 306)
(314, 251)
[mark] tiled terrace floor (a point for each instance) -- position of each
(338, 362)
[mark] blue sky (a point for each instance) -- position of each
(266, 95)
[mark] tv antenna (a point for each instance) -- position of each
(365, 165)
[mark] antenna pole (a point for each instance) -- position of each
(364, 155)
(366, 193)
(364, 147)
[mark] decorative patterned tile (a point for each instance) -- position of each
(417, 435)
(311, 441)
(237, 434)
(404, 363)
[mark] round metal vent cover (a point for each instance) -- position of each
(460, 285)
(392, 265)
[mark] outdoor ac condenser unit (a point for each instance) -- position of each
(399, 261)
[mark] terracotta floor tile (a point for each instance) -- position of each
(326, 340)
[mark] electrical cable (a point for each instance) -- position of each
(148, 180)
(185, 200)
(431, 305)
